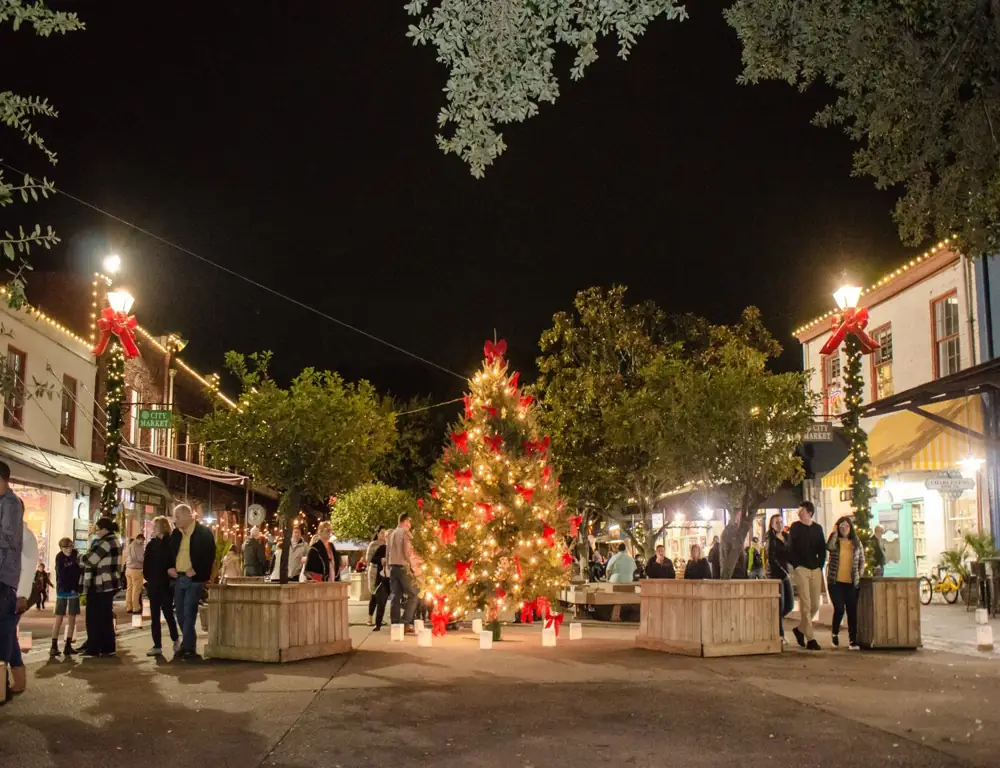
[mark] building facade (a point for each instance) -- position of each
(929, 482)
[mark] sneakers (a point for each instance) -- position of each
(835, 639)
(69, 650)
(799, 637)
(376, 629)
(155, 651)
(54, 650)
(854, 646)
(813, 646)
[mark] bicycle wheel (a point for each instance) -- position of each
(926, 590)
(949, 590)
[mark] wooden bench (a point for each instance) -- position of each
(601, 598)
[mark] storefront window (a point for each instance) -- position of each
(882, 363)
(947, 358)
(961, 517)
(37, 514)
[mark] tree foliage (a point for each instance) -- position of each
(359, 513)
(916, 81)
(500, 56)
(18, 113)
(421, 428)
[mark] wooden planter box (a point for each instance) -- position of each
(273, 622)
(889, 613)
(709, 618)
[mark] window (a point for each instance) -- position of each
(67, 417)
(833, 396)
(131, 414)
(944, 322)
(13, 403)
(882, 363)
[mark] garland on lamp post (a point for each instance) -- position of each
(849, 328)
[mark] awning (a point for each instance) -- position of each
(906, 441)
(67, 473)
(183, 467)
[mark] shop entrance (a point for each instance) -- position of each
(899, 521)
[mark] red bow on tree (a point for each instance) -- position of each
(461, 441)
(517, 567)
(501, 593)
(549, 534)
(495, 350)
(850, 322)
(546, 474)
(420, 503)
(528, 612)
(487, 510)
(494, 443)
(512, 384)
(525, 401)
(434, 492)
(447, 530)
(541, 447)
(468, 406)
(567, 559)
(462, 568)
(463, 477)
(526, 493)
(574, 523)
(554, 621)
(122, 326)
(440, 621)
(491, 410)
(542, 608)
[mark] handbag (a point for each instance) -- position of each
(318, 577)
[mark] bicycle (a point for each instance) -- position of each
(947, 586)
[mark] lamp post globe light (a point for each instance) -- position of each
(111, 264)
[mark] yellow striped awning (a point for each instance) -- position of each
(907, 441)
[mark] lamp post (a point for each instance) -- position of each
(849, 327)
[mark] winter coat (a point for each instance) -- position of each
(833, 563)
(157, 561)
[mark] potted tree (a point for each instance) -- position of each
(316, 438)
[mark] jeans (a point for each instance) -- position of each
(401, 583)
(845, 598)
(161, 598)
(808, 583)
(380, 597)
(785, 601)
(10, 650)
(100, 622)
(187, 593)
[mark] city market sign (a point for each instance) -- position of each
(155, 419)
(821, 432)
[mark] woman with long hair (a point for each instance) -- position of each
(322, 562)
(156, 563)
(778, 568)
(697, 567)
(844, 567)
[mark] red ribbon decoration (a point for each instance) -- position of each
(447, 530)
(554, 621)
(541, 447)
(495, 350)
(546, 474)
(420, 503)
(512, 384)
(526, 493)
(462, 568)
(463, 477)
(549, 534)
(517, 567)
(440, 621)
(501, 593)
(525, 401)
(850, 322)
(491, 410)
(461, 441)
(567, 559)
(528, 612)
(494, 443)
(542, 607)
(574, 523)
(487, 510)
(468, 406)
(122, 326)
(434, 492)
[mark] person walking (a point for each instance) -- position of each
(843, 576)
(660, 566)
(254, 554)
(101, 582)
(807, 556)
(404, 566)
(156, 565)
(322, 560)
(69, 582)
(697, 567)
(192, 548)
(42, 583)
(13, 603)
(378, 583)
(133, 574)
(778, 568)
(298, 550)
(621, 566)
(878, 552)
(232, 568)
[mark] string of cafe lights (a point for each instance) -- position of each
(244, 278)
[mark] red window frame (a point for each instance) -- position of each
(67, 412)
(935, 341)
(13, 404)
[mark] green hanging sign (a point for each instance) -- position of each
(155, 419)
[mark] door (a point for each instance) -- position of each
(897, 519)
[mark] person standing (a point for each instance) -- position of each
(778, 568)
(755, 561)
(660, 566)
(403, 567)
(298, 550)
(192, 547)
(133, 574)
(807, 556)
(715, 557)
(101, 581)
(12, 537)
(254, 554)
(843, 576)
(156, 565)
(69, 581)
(43, 581)
(621, 566)
(697, 567)
(878, 551)
(232, 568)
(375, 558)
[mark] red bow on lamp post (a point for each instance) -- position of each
(122, 325)
(851, 321)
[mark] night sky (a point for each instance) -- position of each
(294, 143)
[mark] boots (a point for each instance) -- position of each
(69, 650)
(18, 680)
(54, 651)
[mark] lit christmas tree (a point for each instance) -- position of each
(493, 533)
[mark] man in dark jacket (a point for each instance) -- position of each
(878, 551)
(192, 547)
(807, 556)
(254, 555)
(660, 567)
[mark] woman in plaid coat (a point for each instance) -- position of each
(101, 581)
(844, 567)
